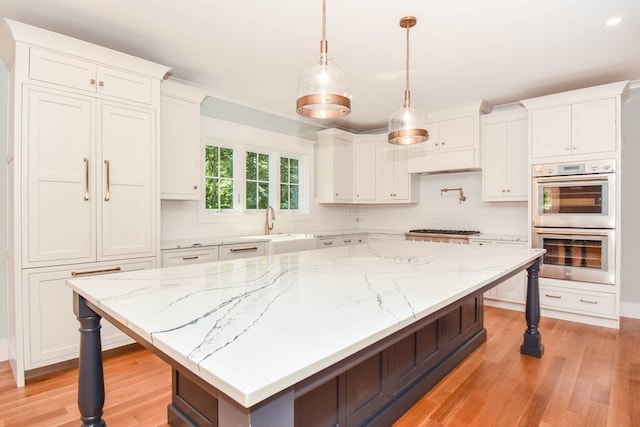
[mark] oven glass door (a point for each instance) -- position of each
(582, 255)
(574, 201)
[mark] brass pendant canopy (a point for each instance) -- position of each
(324, 91)
(408, 125)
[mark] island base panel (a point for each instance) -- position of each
(375, 390)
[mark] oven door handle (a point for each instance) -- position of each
(572, 179)
(571, 233)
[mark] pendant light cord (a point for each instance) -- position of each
(407, 94)
(324, 48)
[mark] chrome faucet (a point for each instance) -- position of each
(268, 224)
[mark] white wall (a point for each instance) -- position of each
(630, 210)
(3, 211)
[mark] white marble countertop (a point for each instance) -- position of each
(253, 327)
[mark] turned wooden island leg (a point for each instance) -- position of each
(532, 343)
(90, 371)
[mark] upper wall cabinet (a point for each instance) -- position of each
(505, 175)
(362, 169)
(581, 123)
(180, 141)
(334, 169)
(454, 140)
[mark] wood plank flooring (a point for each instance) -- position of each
(588, 376)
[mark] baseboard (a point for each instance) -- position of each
(630, 309)
(4, 350)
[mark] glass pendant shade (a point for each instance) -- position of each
(324, 91)
(409, 125)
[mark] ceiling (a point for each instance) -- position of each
(250, 53)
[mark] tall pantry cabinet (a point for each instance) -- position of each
(83, 192)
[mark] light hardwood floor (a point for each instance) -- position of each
(588, 376)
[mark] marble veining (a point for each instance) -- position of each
(253, 327)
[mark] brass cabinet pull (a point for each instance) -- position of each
(100, 83)
(107, 195)
(105, 270)
(553, 296)
(251, 249)
(186, 258)
(587, 301)
(347, 241)
(86, 178)
(327, 243)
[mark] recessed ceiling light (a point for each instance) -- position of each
(613, 21)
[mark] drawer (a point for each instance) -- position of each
(243, 250)
(600, 303)
(191, 256)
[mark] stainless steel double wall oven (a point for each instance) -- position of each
(573, 218)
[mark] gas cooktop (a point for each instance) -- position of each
(436, 231)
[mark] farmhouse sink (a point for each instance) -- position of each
(287, 242)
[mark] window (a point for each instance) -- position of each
(289, 183)
(218, 177)
(256, 180)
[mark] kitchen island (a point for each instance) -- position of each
(349, 335)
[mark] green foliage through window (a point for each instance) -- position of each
(218, 177)
(257, 180)
(289, 183)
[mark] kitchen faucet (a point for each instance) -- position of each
(462, 198)
(269, 226)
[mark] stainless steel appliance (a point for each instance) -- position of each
(574, 195)
(573, 217)
(436, 235)
(586, 255)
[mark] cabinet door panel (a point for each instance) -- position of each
(551, 131)
(59, 202)
(127, 214)
(51, 324)
(517, 170)
(594, 126)
(180, 153)
(494, 169)
(121, 84)
(365, 171)
(457, 132)
(60, 69)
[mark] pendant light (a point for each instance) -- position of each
(407, 126)
(324, 91)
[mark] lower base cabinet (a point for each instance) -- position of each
(51, 328)
(512, 290)
(371, 388)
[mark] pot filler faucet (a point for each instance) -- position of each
(268, 224)
(462, 198)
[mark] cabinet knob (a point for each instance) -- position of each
(508, 190)
(100, 83)
(195, 187)
(92, 81)
(503, 190)
(442, 143)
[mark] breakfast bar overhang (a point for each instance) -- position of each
(351, 335)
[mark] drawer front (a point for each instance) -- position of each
(184, 257)
(120, 84)
(244, 250)
(578, 302)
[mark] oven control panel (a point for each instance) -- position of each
(587, 167)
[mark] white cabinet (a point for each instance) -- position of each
(49, 314)
(341, 240)
(90, 166)
(180, 141)
(365, 149)
(396, 184)
(454, 140)
(505, 174)
(512, 290)
(241, 250)
(582, 123)
(70, 71)
(190, 256)
(82, 168)
(334, 169)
